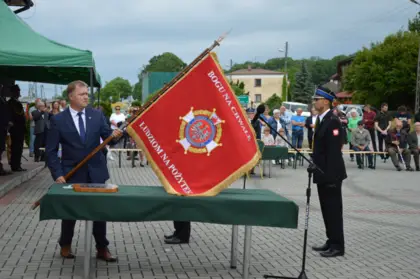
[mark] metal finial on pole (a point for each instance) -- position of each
(223, 36)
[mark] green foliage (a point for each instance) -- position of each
(238, 88)
(107, 108)
(414, 24)
(136, 104)
(151, 96)
(116, 90)
(303, 87)
(165, 62)
(137, 91)
(284, 89)
(386, 72)
(320, 69)
(64, 95)
(274, 102)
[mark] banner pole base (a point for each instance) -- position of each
(302, 275)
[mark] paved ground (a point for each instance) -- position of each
(382, 227)
(10, 181)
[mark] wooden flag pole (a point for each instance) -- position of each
(142, 109)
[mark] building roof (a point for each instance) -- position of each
(344, 94)
(253, 72)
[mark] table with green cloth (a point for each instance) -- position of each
(249, 207)
(272, 152)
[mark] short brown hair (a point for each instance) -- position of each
(72, 86)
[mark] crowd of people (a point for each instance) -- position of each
(388, 135)
(13, 123)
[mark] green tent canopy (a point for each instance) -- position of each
(26, 55)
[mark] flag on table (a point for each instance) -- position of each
(196, 136)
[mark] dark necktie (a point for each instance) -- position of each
(82, 131)
(317, 122)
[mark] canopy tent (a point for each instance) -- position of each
(26, 55)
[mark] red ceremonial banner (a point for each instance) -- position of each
(196, 136)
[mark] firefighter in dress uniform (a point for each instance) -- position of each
(328, 157)
(17, 131)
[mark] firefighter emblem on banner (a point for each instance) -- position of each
(200, 131)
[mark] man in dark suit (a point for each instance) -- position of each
(78, 129)
(4, 124)
(17, 131)
(327, 155)
(42, 123)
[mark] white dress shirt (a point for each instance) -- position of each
(76, 118)
(321, 116)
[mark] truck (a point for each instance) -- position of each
(293, 106)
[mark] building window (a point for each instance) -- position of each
(257, 82)
(258, 98)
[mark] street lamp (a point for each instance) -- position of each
(286, 50)
(416, 105)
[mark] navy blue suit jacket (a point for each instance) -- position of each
(63, 131)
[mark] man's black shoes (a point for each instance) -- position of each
(331, 253)
(328, 252)
(321, 248)
(175, 240)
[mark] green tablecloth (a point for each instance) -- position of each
(150, 203)
(275, 152)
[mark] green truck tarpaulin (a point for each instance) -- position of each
(26, 55)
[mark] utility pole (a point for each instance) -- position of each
(230, 70)
(285, 68)
(416, 105)
(417, 101)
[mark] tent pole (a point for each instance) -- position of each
(92, 97)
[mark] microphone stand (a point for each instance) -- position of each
(311, 169)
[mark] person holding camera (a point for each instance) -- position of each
(117, 119)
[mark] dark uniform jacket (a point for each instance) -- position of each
(401, 136)
(327, 154)
(256, 124)
(413, 140)
(17, 115)
(42, 121)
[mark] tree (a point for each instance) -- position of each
(284, 88)
(116, 90)
(274, 102)
(238, 87)
(414, 24)
(165, 62)
(303, 88)
(137, 91)
(386, 72)
(107, 108)
(136, 104)
(64, 95)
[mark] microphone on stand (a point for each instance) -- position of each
(260, 110)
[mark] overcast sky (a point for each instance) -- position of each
(124, 35)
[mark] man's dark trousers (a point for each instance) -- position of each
(99, 231)
(17, 135)
(182, 230)
(331, 202)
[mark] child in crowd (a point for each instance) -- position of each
(281, 142)
(267, 138)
